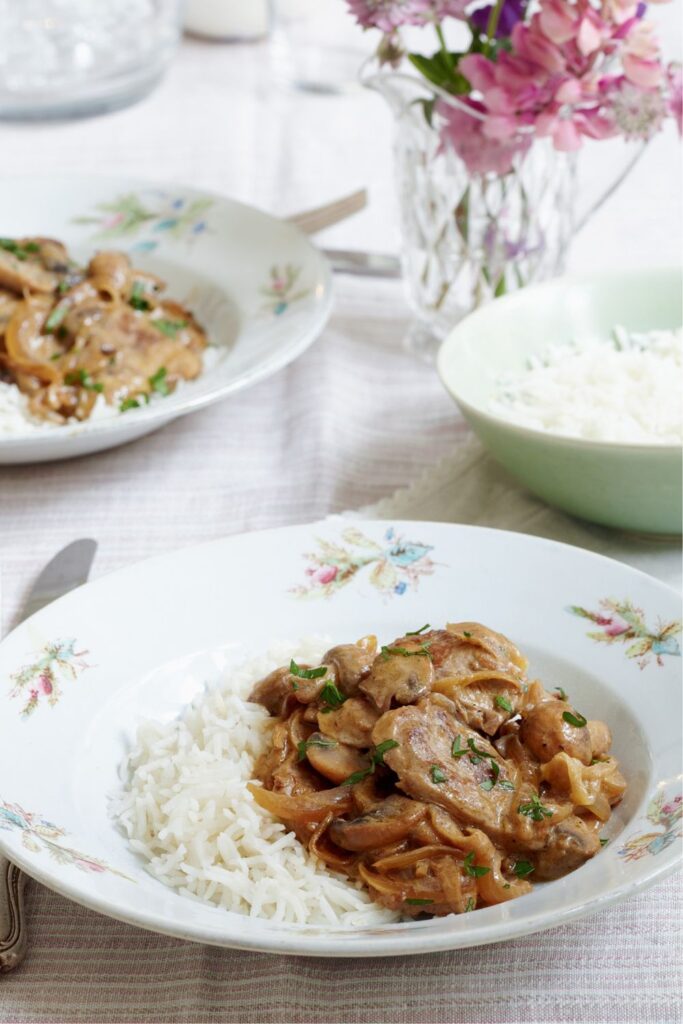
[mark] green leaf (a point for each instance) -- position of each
(456, 749)
(381, 749)
(437, 775)
(523, 868)
(331, 696)
(129, 403)
(503, 702)
(83, 379)
(315, 741)
(416, 632)
(414, 902)
(534, 809)
(55, 318)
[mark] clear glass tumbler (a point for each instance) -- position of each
(68, 58)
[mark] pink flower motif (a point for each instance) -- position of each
(671, 808)
(45, 683)
(113, 220)
(33, 694)
(325, 574)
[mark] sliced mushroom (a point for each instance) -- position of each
(25, 275)
(352, 663)
(336, 761)
(352, 723)
(546, 732)
(391, 821)
(399, 678)
(570, 844)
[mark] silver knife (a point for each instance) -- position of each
(363, 264)
(68, 569)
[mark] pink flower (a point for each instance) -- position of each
(45, 683)
(325, 574)
(640, 58)
(113, 221)
(672, 808)
(479, 151)
(674, 99)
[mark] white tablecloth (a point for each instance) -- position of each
(348, 424)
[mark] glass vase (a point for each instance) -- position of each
(470, 236)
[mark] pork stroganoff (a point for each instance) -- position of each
(74, 337)
(433, 770)
(360, 784)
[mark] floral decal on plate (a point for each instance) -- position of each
(38, 834)
(666, 816)
(156, 215)
(281, 291)
(42, 679)
(622, 622)
(395, 564)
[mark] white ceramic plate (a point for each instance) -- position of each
(80, 675)
(256, 284)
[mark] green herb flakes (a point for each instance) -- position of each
(413, 901)
(169, 327)
(523, 868)
(158, 382)
(307, 673)
(436, 774)
(503, 702)
(578, 721)
(534, 809)
(472, 869)
(315, 741)
(416, 632)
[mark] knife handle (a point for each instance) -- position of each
(12, 916)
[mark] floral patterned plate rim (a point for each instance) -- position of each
(84, 672)
(256, 283)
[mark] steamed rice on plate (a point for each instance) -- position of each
(187, 811)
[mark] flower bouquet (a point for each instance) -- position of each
(488, 133)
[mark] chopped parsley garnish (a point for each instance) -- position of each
(56, 355)
(128, 403)
(83, 378)
(377, 757)
(415, 902)
(599, 760)
(63, 287)
(506, 784)
(604, 842)
(534, 809)
(158, 382)
(331, 697)
(578, 721)
(169, 327)
(456, 749)
(472, 869)
(562, 694)
(503, 702)
(404, 652)
(523, 868)
(470, 905)
(295, 685)
(308, 673)
(381, 749)
(55, 318)
(416, 632)
(507, 885)
(315, 741)
(487, 784)
(137, 298)
(465, 633)
(436, 774)
(20, 251)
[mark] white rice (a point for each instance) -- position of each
(625, 389)
(187, 812)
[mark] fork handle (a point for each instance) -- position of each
(12, 916)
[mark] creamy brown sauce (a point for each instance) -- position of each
(69, 334)
(434, 770)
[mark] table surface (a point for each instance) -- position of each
(347, 424)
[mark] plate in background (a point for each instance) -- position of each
(257, 285)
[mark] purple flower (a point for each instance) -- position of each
(512, 12)
(388, 15)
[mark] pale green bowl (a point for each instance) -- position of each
(632, 486)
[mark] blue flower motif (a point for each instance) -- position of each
(166, 224)
(144, 247)
(178, 204)
(401, 587)
(390, 533)
(199, 227)
(279, 308)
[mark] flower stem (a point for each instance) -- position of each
(442, 42)
(492, 24)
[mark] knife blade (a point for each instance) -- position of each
(363, 264)
(69, 568)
